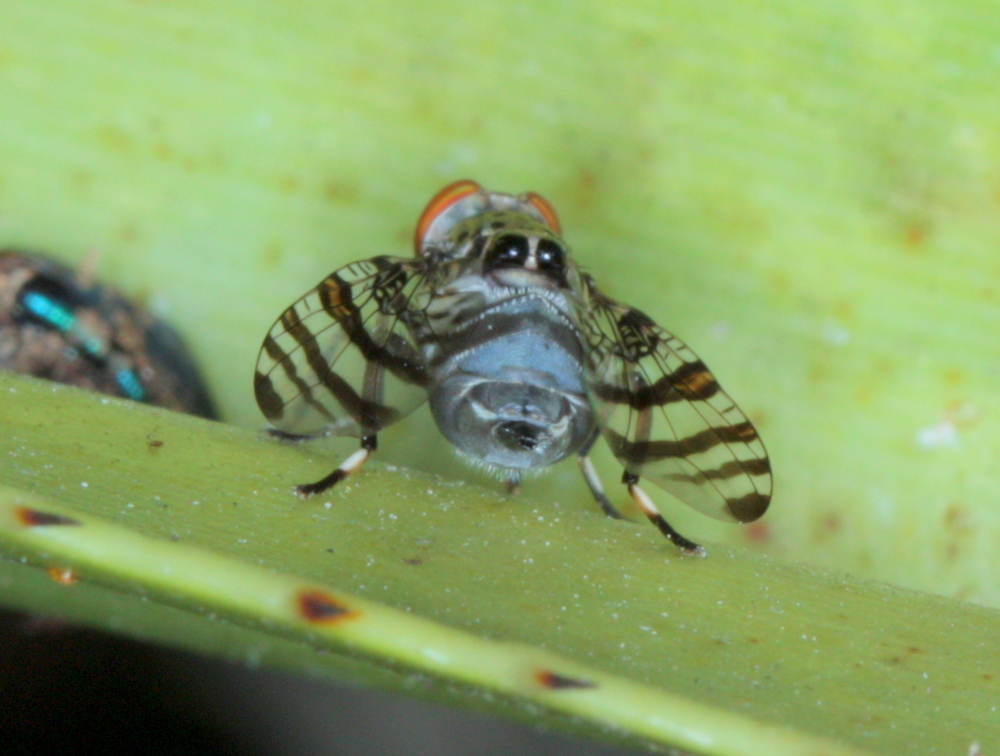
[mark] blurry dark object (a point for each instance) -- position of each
(56, 324)
(66, 690)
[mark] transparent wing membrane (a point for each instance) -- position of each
(665, 416)
(340, 360)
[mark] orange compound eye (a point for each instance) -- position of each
(441, 202)
(548, 212)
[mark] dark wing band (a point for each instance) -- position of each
(665, 416)
(341, 360)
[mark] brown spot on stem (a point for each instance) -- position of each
(553, 681)
(62, 575)
(317, 606)
(33, 517)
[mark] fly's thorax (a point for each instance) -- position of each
(507, 386)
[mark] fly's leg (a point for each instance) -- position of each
(349, 465)
(596, 488)
(371, 391)
(513, 482)
(289, 438)
(643, 428)
(593, 481)
(649, 509)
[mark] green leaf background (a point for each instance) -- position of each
(806, 193)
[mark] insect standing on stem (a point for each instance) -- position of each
(523, 359)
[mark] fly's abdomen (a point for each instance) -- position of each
(508, 388)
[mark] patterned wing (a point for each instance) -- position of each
(341, 361)
(665, 416)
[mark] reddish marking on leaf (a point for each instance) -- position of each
(916, 234)
(317, 606)
(62, 575)
(33, 517)
(548, 679)
(758, 532)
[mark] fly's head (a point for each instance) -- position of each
(512, 241)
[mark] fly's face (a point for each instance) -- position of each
(523, 359)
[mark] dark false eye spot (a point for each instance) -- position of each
(517, 435)
(507, 251)
(551, 256)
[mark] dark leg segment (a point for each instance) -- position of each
(513, 482)
(289, 438)
(593, 481)
(649, 509)
(350, 465)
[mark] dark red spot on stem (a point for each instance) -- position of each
(552, 681)
(317, 606)
(33, 517)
